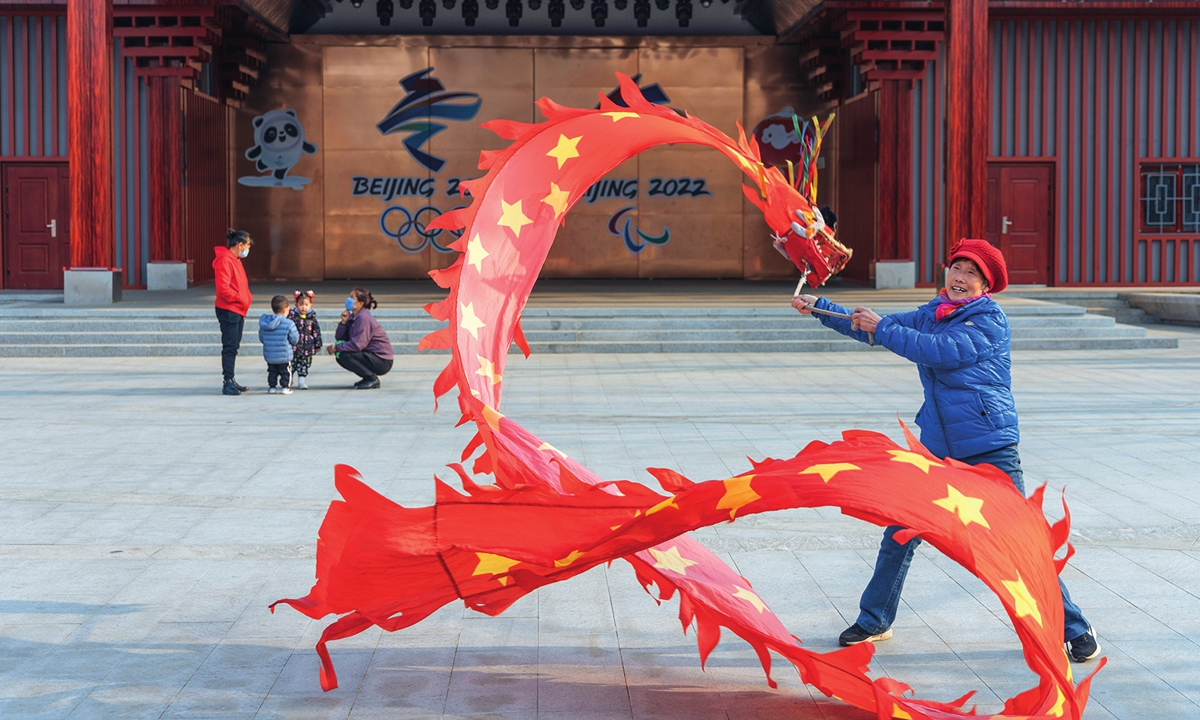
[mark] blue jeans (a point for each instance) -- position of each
(881, 599)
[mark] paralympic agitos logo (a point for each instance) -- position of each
(427, 99)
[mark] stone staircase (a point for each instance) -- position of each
(51, 331)
(1100, 303)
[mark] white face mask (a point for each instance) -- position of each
(244, 253)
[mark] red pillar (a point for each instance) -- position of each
(967, 114)
(165, 128)
(895, 170)
(89, 131)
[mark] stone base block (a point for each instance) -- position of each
(1171, 307)
(92, 286)
(168, 275)
(895, 275)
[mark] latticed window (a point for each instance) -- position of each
(1170, 198)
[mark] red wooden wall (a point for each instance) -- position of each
(929, 172)
(858, 157)
(206, 190)
(1102, 100)
(33, 86)
(33, 128)
(131, 189)
(33, 122)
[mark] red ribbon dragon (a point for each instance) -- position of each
(547, 518)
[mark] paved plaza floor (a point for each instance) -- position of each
(146, 522)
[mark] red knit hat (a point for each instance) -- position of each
(987, 257)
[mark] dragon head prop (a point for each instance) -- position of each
(789, 205)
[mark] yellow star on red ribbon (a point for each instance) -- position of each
(749, 596)
(487, 369)
(566, 149)
(468, 320)
(828, 470)
(476, 253)
(914, 459)
(670, 559)
(967, 508)
(1024, 604)
(738, 494)
(490, 564)
(512, 218)
(557, 200)
(619, 116)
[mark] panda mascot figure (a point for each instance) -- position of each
(278, 145)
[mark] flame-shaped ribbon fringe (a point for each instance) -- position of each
(547, 518)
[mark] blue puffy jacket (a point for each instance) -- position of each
(278, 335)
(965, 369)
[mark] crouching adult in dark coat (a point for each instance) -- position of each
(362, 346)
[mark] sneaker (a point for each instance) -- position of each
(285, 391)
(239, 386)
(271, 391)
(229, 388)
(854, 635)
(301, 383)
(1084, 647)
(367, 384)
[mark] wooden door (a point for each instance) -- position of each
(1020, 207)
(36, 234)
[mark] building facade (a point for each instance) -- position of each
(134, 134)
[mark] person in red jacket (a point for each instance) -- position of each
(233, 301)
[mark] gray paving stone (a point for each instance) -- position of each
(135, 573)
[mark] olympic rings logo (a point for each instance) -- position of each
(417, 223)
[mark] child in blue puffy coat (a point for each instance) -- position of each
(278, 335)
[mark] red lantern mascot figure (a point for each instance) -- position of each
(960, 342)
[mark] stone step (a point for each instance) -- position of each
(535, 324)
(591, 347)
(1101, 343)
(1126, 315)
(1097, 303)
(584, 333)
(47, 331)
(1110, 304)
(330, 316)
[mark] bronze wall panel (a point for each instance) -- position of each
(713, 182)
(760, 261)
(355, 247)
(577, 77)
(701, 246)
(706, 82)
(706, 236)
(673, 180)
(342, 87)
(288, 225)
(503, 78)
(361, 86)
(584, 247)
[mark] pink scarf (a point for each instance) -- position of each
(946, 306)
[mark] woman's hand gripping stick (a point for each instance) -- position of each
(813, 309)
